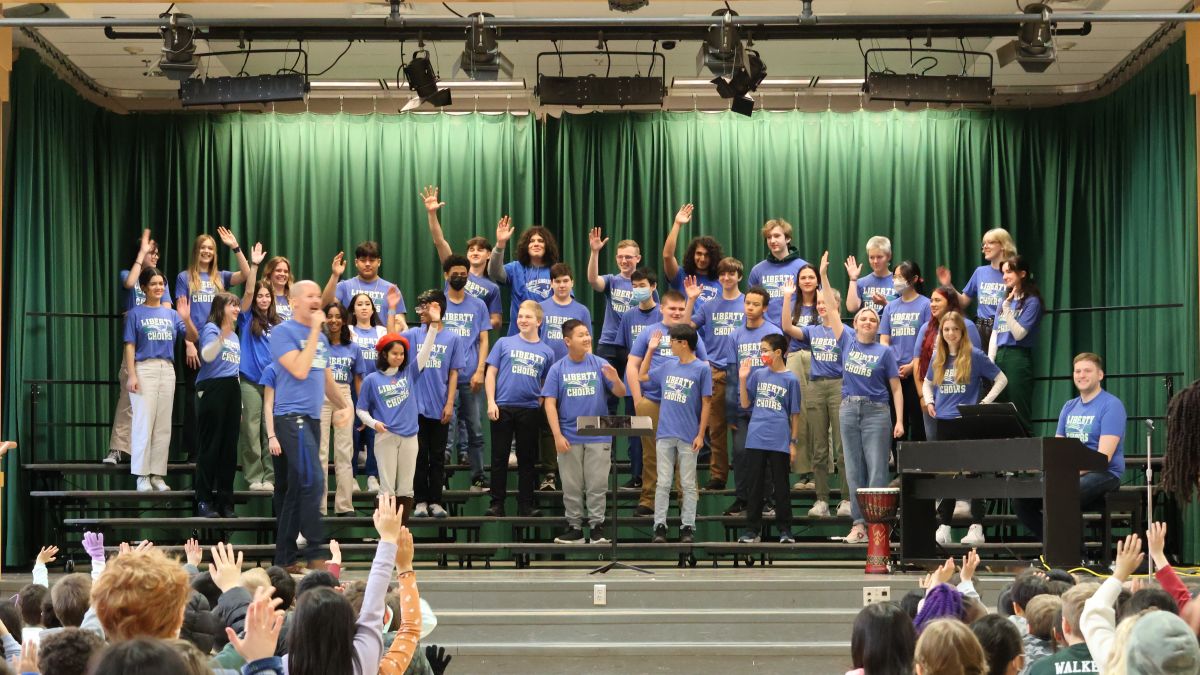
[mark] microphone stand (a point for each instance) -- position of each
(1149, 489)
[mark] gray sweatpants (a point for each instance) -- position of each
(584, 469)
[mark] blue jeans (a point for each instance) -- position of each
(866, 441)
(1092, 487)
(466, 427)
(303, 488)
(672, 452)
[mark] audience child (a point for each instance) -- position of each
(948, 647)
(882, 641)
(1001, 643)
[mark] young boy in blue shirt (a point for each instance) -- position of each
(685, 386)
(772, 394)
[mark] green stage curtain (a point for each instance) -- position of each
(1100, 195)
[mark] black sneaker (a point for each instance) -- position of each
(228, 512)
(715, 484)
(634, 483)
(786, 537)
(480, 484)
(573, 535)
(529, 512)
(205, 510)
(737, 508)
(495, 511)
(548, 483)
(768, 511)
(643, 510)
(660, 534)
(687, 534)
(596, 534)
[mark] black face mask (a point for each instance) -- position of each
(458, 283)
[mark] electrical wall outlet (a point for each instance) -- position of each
(599, 594)
(873, 594)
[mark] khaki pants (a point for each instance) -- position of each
(252, 439)
(821, 407)
(343, 455)
(123, 418)
(649, 460)
(397, 460)
(799, 363)
(150, 431)
(718, 428)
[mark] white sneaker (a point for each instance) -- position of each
(113, 457)
(962, 509)
(943, 535)
(372, 484)
(974, 536)
(144, 484)
(437, 511)
(844, 508)
(858, 535)
(301, 542)
(159, 484)
(421, 510)
(512, 458)
(256, 486)
(268, 486)
(820, 509)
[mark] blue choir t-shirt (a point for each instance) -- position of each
(683, 386)
(806, 316)
(826, 352)
(1104, 415)
(579, 389)
(1029, 316)
(343, 362)
(366, 339)
(527, 283)
(467, 319)
(152, 332)
(434, 381)
(774, 398)
(747, 344)
(641, 346)
(294, 396)
(716, 320)
(710, 287)
(972, 333)
(483, 289)
(283, 308)
(871, 285)
(520, 369)
(773, 275)
(201, 298)
(618, 299)
(901, 321)
(130, 297)
(554, 316)
(949, 394)
(392, 399)
(256, 349)
(228, 360)
(866, 368)
(634, 322)
(377, 290)
(986, 286)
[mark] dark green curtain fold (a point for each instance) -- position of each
(1100, 195)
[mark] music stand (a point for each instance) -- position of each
(615, 425)
(983, 421)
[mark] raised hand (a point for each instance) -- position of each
(226, 567)
(393, 298)
(1129, 557)
(263, 624)
(387, 519)
(28, 662)
(146, 245)
(434, 310)
(335, 552)
(338, 266)
(788, 288)
(824, 268)
(195, 554)
(93, 545)
(691, 287)
(183, 305)
(227, 237)
(684, 215)
(744, 368)
(438, 659)
(943, 573)
(1156, 543)
(257, 254)
(853, 269)
(655, 342)
(429, 195)
(47, 555)
(595, 241)
(943, 275)
(609, 372)
(970, 561)
(504, 230)
(404, 550)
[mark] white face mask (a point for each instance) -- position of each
(900, 286)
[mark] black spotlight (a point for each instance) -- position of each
(627, 5)
(178, 60)
(482, 58)
(423, 80)
(748, 73)
(721, 42)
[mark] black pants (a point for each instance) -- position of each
(430, 474)
(1092, 488)
(219, 405)
(914, 424)
(189, 441)
(525, 424)
(303, 489)
(945, 511)
(763, 466)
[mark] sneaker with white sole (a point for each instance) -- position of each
(268, 486)
(942, 536)
(113, 457)
(421, 510)
(301, 542)
(144, 484)
(372, 484)
(548, 483)
(159, 484)
(857, 535)
(436, 511)
(750, 538)
(512, 458)
(820, 509)
(256, 486)
(572, 535)
(962, 509)
(974, 536)
(844, 508)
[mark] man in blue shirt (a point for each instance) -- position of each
(300, 349)
(1097, 419)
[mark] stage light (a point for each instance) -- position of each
(481, 58)
(423, 80)
(721, 43)
(1033, 49)
(748, 73)
(627, 5)
(178, 60)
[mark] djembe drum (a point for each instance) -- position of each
(879, 506)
